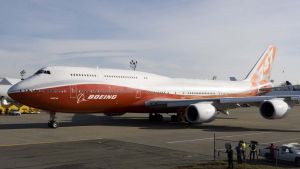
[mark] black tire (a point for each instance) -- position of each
(156, 117)
(151, 117)
(174, 118)
(297, 161)
(54, 124)
(50, 124)
(160, 117)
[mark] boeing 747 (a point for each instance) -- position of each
(115, 92)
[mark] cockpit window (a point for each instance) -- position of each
(42, 71)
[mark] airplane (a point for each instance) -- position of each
(5, 84)
(116, 92)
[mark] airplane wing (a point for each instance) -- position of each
(222, 103)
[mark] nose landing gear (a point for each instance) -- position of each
(52, 122)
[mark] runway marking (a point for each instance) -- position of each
(278, 141)
(211, 138)
(46, 142)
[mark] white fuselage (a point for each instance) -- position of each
(74, 89)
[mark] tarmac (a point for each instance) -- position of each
(132, 141)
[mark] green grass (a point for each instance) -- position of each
(223, 165)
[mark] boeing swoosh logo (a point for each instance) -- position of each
(81, 98)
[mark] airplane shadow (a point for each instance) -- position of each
(141, 122)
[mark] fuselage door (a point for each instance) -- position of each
(138, 93)
(73, 91)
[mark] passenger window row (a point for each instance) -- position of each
(189, 93)
(84, 75)
(123, 77)
(204, 93)
(117, 76)
(42, 91)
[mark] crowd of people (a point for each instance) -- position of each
(241, 152)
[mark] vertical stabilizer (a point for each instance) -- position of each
(260, 75)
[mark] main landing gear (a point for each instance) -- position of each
(155, 117)
(52, 122)
(178, 118)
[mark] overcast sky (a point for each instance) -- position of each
(177, 38)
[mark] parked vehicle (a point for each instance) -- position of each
(286, 152)
(15, 113)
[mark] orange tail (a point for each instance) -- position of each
(260, 75)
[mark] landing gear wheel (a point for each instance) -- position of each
(160, 117)
(174, 118)
(151, 117)
(156, 117)
(53, 124)
(50, 124)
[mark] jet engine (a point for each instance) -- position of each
(200, 113)
(274, 109)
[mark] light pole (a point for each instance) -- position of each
(22, 73)
(133, 64)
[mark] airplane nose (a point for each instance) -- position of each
(13, 89)
(18, 93)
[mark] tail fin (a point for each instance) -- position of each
(260, 75)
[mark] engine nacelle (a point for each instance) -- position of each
(200, 113)
(274, 109)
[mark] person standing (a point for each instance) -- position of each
(239, 153)
(272, 151)
(244, 148)
(253, 151)
(229, 156)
